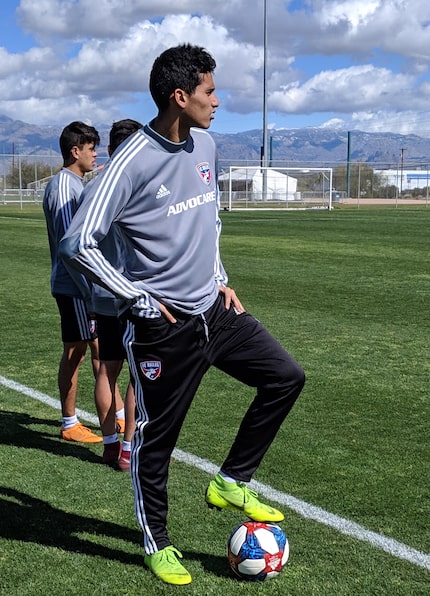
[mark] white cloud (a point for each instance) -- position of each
(44, 111)
(346, 90)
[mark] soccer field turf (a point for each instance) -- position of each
(346, 293)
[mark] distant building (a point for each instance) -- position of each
(405, 179)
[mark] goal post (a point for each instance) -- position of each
(255, 187)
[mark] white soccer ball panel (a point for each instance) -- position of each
(267, 540)
(251, 566)
(238, 539)
(286, 553)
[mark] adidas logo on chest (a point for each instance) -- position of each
(162, 192)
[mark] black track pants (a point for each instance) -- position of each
(168, 362)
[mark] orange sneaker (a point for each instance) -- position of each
(80, 434)
(120, 425)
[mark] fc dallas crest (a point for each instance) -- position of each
(151, 369)
(204, 172)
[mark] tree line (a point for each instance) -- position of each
(25, 172)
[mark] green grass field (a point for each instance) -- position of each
(346, 292)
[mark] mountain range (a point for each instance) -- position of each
(319, 147)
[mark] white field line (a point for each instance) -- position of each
(342, 525)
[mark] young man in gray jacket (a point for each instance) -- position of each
(78, 143)
(160, 194)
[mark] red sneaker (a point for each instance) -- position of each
(111, 454)
(124, 461)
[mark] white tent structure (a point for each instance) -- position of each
(249, 182)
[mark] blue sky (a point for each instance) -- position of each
(347, 64)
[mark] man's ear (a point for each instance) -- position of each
(74, 152)
(180, 97)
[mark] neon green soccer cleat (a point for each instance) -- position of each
(238, 497)
(165, 565)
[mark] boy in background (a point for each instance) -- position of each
(78, 143)
(111, 350)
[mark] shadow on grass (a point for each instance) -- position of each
(213, 564)
(29, 519)
(15, 429)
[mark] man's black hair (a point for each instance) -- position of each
(76, 134)
(120, 131)
(180, 67)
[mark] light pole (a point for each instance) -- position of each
(348, 166)
(264, 156)
(402, 151)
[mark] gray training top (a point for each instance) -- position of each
(162, 200)
(60, 202)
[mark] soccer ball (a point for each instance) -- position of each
(257, 551)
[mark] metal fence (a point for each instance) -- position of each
(23, 178)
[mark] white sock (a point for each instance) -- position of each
(227, 478)
(126, 445)
(69, 421)
(120, 414)
(109, 439)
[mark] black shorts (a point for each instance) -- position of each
(76, 324)
(110, 334)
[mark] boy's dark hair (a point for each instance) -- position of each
(180, 67)
(120, 131)
(76, 134)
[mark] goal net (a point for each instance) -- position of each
(255, 187)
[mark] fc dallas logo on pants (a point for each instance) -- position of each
(151, 369)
